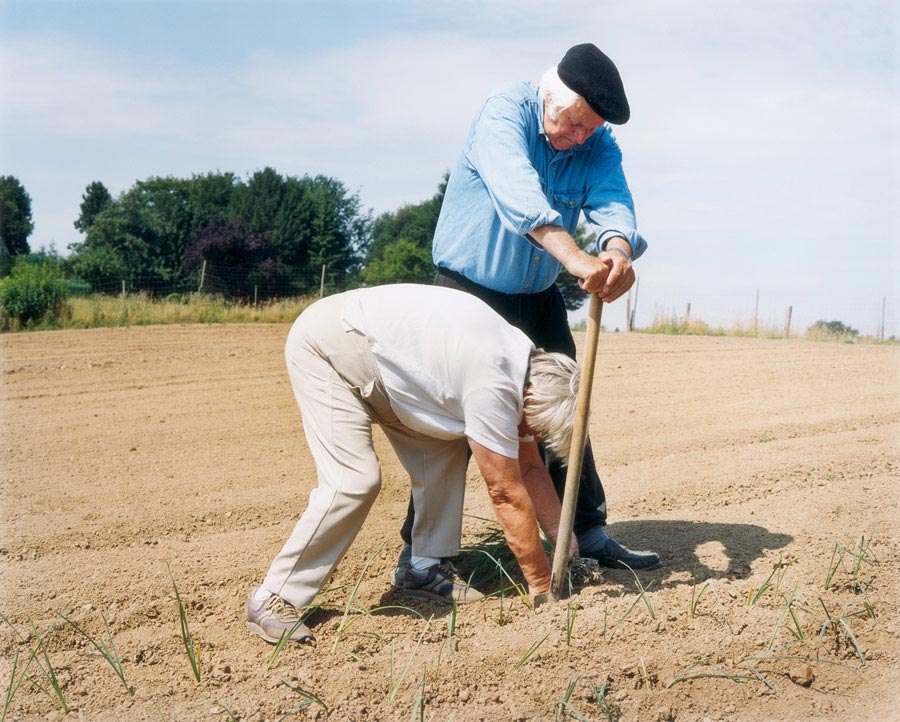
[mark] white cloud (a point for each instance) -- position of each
(396, 90)
(56, 86)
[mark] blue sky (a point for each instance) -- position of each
(763, 150)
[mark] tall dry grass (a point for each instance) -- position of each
(672, 324)
(818, 332)
(693, 326)
(142, 310)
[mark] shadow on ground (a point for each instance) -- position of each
(677, 542)
(489, 565)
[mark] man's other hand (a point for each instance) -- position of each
(620, 277)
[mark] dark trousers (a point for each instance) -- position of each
(542, 317)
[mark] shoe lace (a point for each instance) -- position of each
(448, 566)
(282, 608)
(433, 573)
(447, 570)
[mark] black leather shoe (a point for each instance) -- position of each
(614, 556)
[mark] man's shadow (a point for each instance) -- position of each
(678, 542)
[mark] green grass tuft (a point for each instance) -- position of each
(106, 648)
(191, 649)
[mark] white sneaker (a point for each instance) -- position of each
(272, 617)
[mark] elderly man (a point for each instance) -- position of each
(534, 160)
(438, 371)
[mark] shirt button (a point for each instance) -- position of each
(571, 203)
(537, 258)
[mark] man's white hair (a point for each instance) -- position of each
(551, 393)
(557, 96)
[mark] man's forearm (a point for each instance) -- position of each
(609, 274)
(515, 512)
(516, 517)
(544, 499)
(540, 488)
(562, 247)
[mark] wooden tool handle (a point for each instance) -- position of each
(576, 453)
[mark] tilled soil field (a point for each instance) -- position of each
(138, 460)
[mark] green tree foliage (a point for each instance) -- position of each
(402, 262)
(96, 197)
(142, 234)
(831, 331)
(837, 328)
(572, 294)
(258, 201)
(210, 197)
(307, 222)
(34, 292)
(410, 227)
(150, 232)
(340, 232)
(15, 216)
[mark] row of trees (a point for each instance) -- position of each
(267, 231)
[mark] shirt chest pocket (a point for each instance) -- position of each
(569, 205)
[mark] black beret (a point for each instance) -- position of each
(587, 71)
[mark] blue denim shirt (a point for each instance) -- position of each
(509, 180)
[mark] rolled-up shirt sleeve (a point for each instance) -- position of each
(609, 207)
(498, 153)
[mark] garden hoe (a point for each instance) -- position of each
(576, 455)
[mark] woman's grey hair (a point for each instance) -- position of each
(557, 95)
(551, 393)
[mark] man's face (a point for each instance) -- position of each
(572, 126)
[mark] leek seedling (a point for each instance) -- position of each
(107, 649)
(190, 648)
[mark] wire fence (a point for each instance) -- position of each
(641, 308)
(765, 313)
(229, 283)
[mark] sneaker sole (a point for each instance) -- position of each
(431, 596)
(422, 594)
(261, 633)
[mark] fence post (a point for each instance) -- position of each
(630, 321)
(322, 283)
(123, 289)
(687, 314)
(756, 316)
(255, 287)
(881, 334)
(202, 276)
(628, 311)
(787, 326)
